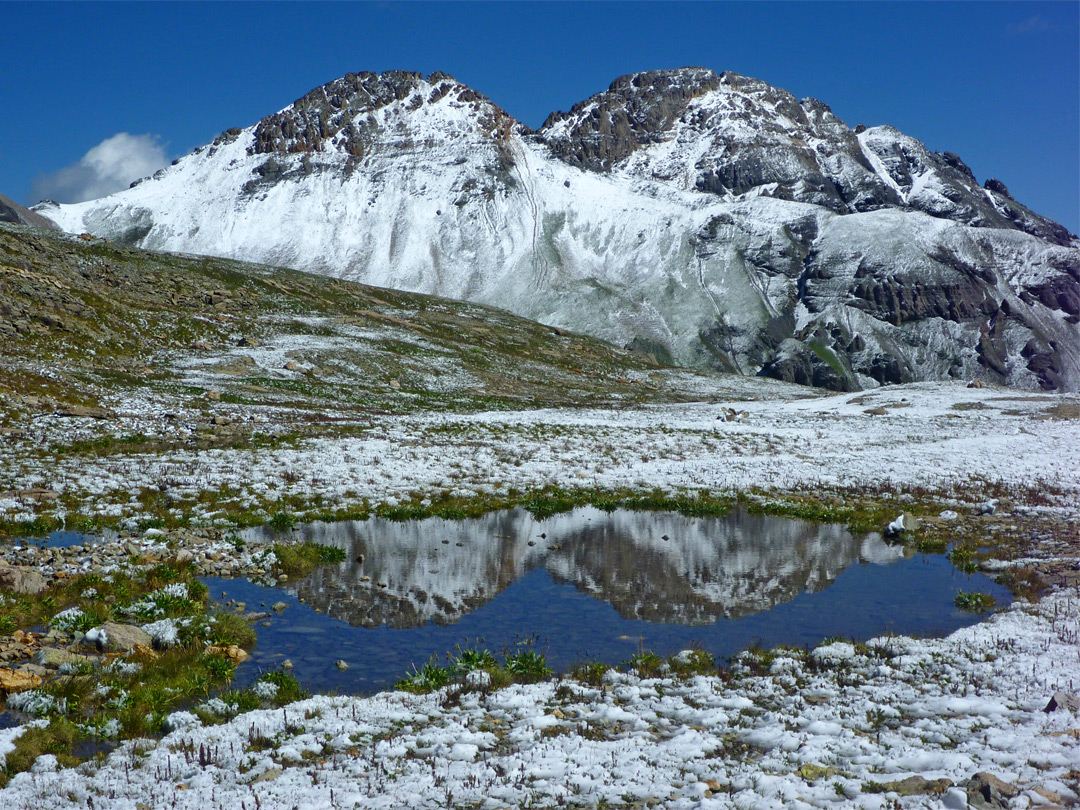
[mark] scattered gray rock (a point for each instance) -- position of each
(341, 664)
(124, 637)
(1062, 700)
(987, 792)
(278, 607)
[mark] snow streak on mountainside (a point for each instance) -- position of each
(708, 219)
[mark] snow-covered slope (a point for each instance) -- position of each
(707, 219)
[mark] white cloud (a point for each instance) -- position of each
(1032, 25)
(110, 166)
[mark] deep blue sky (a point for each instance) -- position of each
(997, 83)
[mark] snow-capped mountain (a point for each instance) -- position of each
(707, 219)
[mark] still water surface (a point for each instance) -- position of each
(587, 585)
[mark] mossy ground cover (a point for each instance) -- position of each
(120, 696)
(109, 318)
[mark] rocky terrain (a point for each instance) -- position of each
(714, 221)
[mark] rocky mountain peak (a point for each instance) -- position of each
(942, 185)
(635, 110)
(339, 114)
(11, 211)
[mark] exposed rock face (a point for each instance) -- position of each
(636, 110)
(704, 219)
(341, 112)
(725, 135)
(942, 185)
(11, 211)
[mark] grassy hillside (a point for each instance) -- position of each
(84, 321)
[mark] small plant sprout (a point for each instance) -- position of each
(974, 601)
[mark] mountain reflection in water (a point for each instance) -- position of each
(657, 567)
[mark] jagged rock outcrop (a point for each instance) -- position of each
(705, 219)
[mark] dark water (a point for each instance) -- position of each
(588, 585)
(61, 539)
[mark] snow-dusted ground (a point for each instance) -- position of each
(931, 436)
(829, 730)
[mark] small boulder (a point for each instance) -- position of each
(84, 411)
(904, 523)
(987, 792)
(21, 579)
(232, 652)
(123, 637)
(1063, 700)
(145, 652)
(55, 657)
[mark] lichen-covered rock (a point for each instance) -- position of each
(13, 680)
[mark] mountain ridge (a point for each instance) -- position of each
(707, 219)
